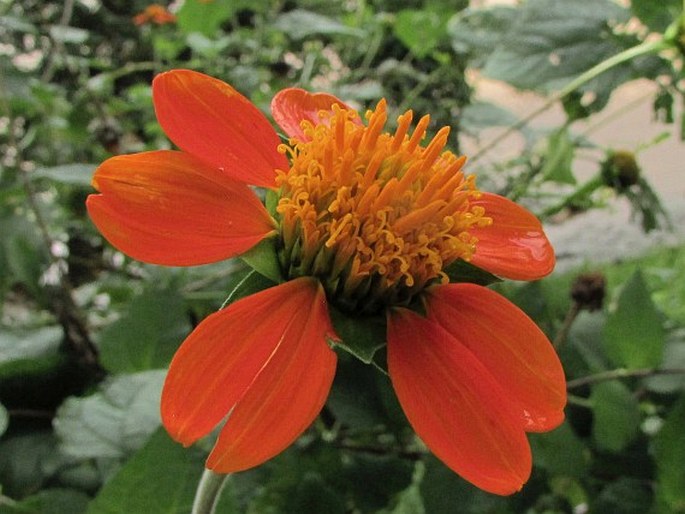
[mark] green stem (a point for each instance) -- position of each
(579, 401)
(614, 374)
(57, 45)
(646, 47)
(208, 492)
(563, 332)
(582, 192)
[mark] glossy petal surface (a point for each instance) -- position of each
(509, 345)
(455, 405)
(515, 245)
(209, 119)
(293, 105)
(265, 358)
(170, 208)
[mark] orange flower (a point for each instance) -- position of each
(154, 13)
(366, 221)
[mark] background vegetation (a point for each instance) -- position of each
(86, 333)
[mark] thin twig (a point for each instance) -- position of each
(562, 334)
(614, 374)
(380, 450)
(636, 51)
(31, 413)
(57, 46)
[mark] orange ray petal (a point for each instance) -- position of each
(209, 119)
(455, 405)
(289, 391)
(169, 208)
(515, 245)
(243, 346)
(291, 106)
(509, 345)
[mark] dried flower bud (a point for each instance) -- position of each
(154, 13)
(620, 170)
(588, 290)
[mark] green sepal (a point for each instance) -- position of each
(462, 271)
(362, 336)
(271, 199)
(251, 283)
(263, 258)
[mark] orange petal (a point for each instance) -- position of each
(515, 245)
(264, 336)
(455, 405)
(293, 105)
(209, 119)
(289, 391)
(170, 208)
(509, 345)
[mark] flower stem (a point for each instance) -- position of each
(208, 492)
(614, 374)
(562, 334)
(582, 192)
(646, 47)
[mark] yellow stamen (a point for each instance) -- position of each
(375, 216)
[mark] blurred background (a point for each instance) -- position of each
(573, 108)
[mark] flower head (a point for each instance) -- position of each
(154, 13)
(374, 215)
(366, 221)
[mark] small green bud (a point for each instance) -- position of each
(620, 170)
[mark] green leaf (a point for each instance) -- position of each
(250, 283)
(18, 24)
(585, 339)
(462, 271)
(22, 255)
(669, 453)
(312, 495)
(75, 174)
(553, 41)
(479, 31)
(674, 357)
(115, 421)
(479, 116)
(355, 399)
(264, 258)
(301, 24)
(616, 415)
(50, 501)
(67, 34)
(206, 47)
(374, 479)
(560, 452)
(205, 17)
(30, 352)
(23, 462)
(159, 479)
(362, 336)
(445, 491)
(624, 496)
(423, 41)
(409, 501)
(368, 91)
(147, 334)
(634, 335)
(558, 160)
(656, 15)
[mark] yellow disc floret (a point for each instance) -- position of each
(375, 216)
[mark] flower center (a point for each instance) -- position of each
(374, 216)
